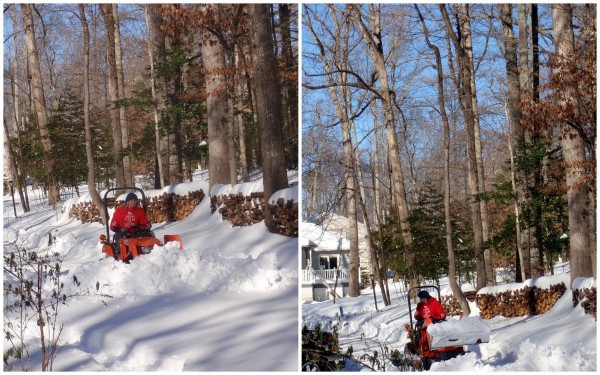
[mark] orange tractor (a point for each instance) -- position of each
(421, 352)
(131, 245)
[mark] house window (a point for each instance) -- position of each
(328, 263)
(333, 263)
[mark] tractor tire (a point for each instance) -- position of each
(426, 361)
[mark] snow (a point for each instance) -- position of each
(563, 339)
(455, 332)
(228, 301)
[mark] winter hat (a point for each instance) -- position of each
(423, 294)
(130, 196)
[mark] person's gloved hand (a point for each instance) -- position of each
(122, 230)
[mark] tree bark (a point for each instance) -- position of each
(39, 103)
(156, 48)
(456, 290)
(91, 175)
(113, 93)
(466, 102)
(128, 173)
(239, 108)
(573, 148)
(214, 63)
(483, 207)
(268, 104)
(373, 37)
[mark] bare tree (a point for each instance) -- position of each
(372, 35)
(113, 91)
(91, 175)
(456, 290)
(463, 84)
(39, 102)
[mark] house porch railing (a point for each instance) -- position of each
(311, 276)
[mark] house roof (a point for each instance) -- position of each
(315, 235)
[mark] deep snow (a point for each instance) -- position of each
(227, 302)
(563, 339)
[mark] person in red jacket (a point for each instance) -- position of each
(429, 307)
(129, 220)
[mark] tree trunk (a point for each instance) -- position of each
(514, 113)
(468, 45)
(373, 37)
(156, 48)
(214, 62)
(268, 104)
(466, 103)
(239, 108)
(39, 103)
(19, 167)
(573, 148)
(456, 290)
(91, 176)
(291, 90)
(128, 173)
(113, 93)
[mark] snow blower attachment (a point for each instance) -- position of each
(438, 341)
(132, 245)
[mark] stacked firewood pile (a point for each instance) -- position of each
(451, 305)
(529, 300)
(172, 207)
(242, 210)
(587, 298)
(285, 217)
(545, 299)
(86, 212)
(509, 303)
(163, 208)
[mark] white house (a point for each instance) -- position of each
(326, 257)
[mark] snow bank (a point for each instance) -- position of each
(540, 282)
(583, 283)
(457, 332)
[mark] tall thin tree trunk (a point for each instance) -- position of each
(466, 103)
(113, 92)
(155, 46)
(517, 143)
(239, 107)
(91, 175)
(266, 83)
(456, 290)
(373, 37)
(573, 148)
(128, 173)
(39, 103)
(17, 157)
(483, 207)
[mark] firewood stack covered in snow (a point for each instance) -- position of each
(587, 297)
(242, 210)
(528, 300)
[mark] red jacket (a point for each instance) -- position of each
(432, 309)
(125, 217)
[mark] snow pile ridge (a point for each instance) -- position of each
(583, 283)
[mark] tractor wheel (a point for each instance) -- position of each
(426, 361)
